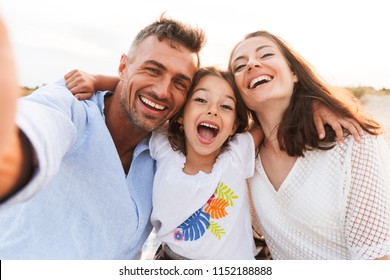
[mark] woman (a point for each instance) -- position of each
(314, 199)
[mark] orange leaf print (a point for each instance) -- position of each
(216, 208)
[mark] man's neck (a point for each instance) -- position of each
(125, 135)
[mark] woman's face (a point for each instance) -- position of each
(262, 73)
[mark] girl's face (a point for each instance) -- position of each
(262, 73)
(209, 116)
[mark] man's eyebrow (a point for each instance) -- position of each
(156, 63)
(162, 67)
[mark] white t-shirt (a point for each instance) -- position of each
(333, 204)
(204, 216)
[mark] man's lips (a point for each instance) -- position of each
(152, 104)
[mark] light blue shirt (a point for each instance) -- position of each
(80, 204)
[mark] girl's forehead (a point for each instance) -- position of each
(214, 84)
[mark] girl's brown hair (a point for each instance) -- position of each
(297, 132)
(175, 132)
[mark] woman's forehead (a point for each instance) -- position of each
(253, 44)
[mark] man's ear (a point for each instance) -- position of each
(122, 67)
(180, 120)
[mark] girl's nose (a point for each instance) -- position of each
(215, 114)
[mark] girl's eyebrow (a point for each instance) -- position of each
(257, 49)
(205, 89)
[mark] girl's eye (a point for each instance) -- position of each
(201, 100)
(227, 107)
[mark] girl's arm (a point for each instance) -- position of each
(323, 115)
(83, 85)
(257, 134)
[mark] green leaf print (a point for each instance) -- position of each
(226, 193)
(216, 229)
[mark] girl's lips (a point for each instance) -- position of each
(207, 131)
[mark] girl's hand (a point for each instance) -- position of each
(322, 115)
(81, 84)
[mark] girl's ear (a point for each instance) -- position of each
(235, 126)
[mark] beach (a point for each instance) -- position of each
(379, 107)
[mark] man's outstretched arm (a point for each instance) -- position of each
(16, 154)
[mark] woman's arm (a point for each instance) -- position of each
(83, 85)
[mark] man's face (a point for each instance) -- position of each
(156, 78)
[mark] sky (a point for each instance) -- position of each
(347, 41)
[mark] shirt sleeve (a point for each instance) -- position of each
(159, 144)
(243, 148)
(368, 201)
(50, 118)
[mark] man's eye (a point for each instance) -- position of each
(181, 84)
(153, 70)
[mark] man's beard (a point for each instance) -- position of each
(135, 118)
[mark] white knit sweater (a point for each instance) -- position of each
(333, 204)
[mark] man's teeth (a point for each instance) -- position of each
(152, 104)
(259, 80)
(208, 125)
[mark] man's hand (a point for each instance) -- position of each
(11, 150)
(9, 91)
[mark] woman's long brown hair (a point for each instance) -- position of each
(297, 132)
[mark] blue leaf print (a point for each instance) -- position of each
(195, 226)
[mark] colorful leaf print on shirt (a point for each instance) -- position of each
(215, 208)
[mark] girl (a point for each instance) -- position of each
(200, 202)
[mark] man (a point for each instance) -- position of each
(78, 182)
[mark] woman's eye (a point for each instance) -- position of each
(239, 67)
(267, 55)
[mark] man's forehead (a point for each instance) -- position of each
(175, 57)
